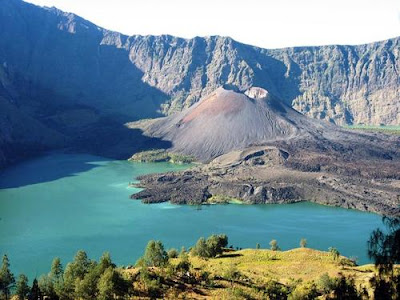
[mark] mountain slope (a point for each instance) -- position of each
(229, 120)
(84, 82)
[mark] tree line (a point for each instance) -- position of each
(84, 278)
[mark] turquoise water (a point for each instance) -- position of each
(60, 203)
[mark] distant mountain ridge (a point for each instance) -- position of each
(344, 84)
(51, 60)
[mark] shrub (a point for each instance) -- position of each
(183, 266)
(275, 290)
(334, 252)
(326, 284)
(274, 245)
(173, 253)
(345, 289)
(307, 291)
(232, 273)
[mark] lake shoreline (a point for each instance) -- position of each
(268, 185)
(74, 193)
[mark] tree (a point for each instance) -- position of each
(105, 262)
(111, 283)
(274, 245)
(384, 249)
(101, 281)
(7, 279)
(74, 272)
(201, 249)
(184, 264)
(155, 255)
(21, 288)
(67, 290)
(87, 287)
(57, 277)
(216, 244)
(213, 246)
(35, 293)
(56, 272)
(383, 288)
(303, 243)
(80, 264)
(46, 287)
(106, 285)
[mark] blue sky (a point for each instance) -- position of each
(264, 23)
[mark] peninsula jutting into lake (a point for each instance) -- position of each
(259, 150)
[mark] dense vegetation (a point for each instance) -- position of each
(160, 155)
(210, 269)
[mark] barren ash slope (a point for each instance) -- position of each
(260, 150)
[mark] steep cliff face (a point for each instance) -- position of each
(348, 84)
(136, 76)
(84, 82)
(341, 84)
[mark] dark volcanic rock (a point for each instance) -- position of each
(276, 182)
(185, 189)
